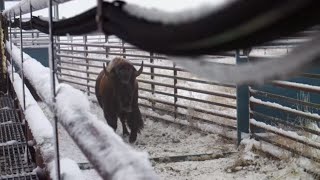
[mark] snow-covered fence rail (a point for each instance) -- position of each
(106, 151)
(23, 6)
(163, 87)
(288, 113)
(42, 132)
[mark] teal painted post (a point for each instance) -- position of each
(242, 102)
(2, 5)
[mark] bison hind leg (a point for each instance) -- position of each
(123, 119)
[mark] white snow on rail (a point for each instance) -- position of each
(112, 158)
(5, 108)
(289, 134)
(266, 147)
(7, 122)
(284, 108)
(187, 15)
(25, 6)
(34, 71)
(41, 128)
(12, 142)
(299, 85)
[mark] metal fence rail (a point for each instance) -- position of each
(289, 112)
(163, 86)
(162, 82)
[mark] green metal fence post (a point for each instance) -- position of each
(242, 102)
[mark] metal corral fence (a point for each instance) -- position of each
(165, 88)
(283, 113)
(286, 113)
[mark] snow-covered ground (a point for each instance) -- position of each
(162, 139)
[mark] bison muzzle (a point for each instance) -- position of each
(117, 93)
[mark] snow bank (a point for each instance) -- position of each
(25, 6)
(111, 157)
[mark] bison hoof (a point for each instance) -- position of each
(132, 139)
(125, 133)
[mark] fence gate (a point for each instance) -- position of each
(286, 113)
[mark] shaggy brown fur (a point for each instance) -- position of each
(117, 93)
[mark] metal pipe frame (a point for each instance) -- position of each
(53, 81)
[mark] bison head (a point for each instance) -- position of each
(124, 76)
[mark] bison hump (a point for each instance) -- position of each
(116, 62)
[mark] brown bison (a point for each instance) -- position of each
(117, 93)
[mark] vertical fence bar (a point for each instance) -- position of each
(4, 61)
(85, 39)
(242, 102)
(71, 40)
(175, 81)
(106, 38)
(2, 5)
(23, 82)
(58, 58)
(32, 35)
(38, 35)
(123, 49)
(53, 81)
(21, 56)
(11, 60)
(152, 77)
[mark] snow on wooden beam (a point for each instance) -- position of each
(25, 6)
(106, 151)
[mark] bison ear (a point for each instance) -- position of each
(105, 69)
(137, 73)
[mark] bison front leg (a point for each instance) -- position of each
(111, 120)
(135, 124)
(123, 118)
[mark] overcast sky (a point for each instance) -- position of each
(77, 6)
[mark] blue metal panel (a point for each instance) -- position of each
(40, 54)
(292, 93)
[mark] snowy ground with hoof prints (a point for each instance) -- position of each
(161, 139)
